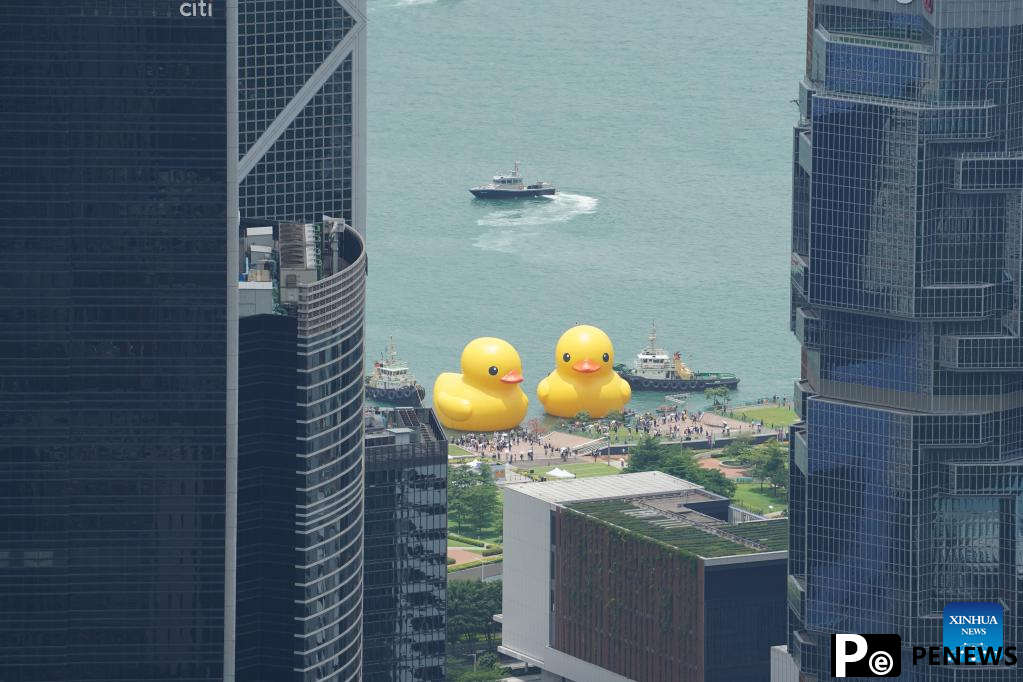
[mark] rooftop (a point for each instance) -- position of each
(278, 259)
(686, 529)
(665, 509)
(604, 487)
(401, 425)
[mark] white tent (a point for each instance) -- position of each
(559, 473)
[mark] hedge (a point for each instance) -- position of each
(476, 564)
(465, 540)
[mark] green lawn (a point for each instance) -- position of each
(581, 470)
(773, 416)
(457, 451)
(749, 496)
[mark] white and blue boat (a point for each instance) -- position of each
(512, 186)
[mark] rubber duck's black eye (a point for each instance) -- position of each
(606, 357)
(493, 371)
(566, 357)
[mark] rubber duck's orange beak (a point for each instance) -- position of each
(586, 366)
(512, 377)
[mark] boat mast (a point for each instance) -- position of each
(392, 353)
(653, 336)
(516, 171)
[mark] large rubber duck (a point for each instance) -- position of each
(584, 379)
(486, 396)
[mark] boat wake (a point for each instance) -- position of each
(507, 225)
(558, 209)
(413, 3)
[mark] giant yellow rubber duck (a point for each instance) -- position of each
(584, 379)
(486, 396)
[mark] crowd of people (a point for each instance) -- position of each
(521, 445)
(508, 446)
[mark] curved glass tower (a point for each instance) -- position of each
(302, 303)
(907, 467)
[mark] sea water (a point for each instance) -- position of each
(666, 126)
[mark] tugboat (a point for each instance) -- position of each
(391, 382)
(513, 187)
(654, 370)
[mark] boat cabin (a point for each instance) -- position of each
(509, 181)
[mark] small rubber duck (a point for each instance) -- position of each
(584, 379)
(486, 396)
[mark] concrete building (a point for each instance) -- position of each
(642, 577)
(406, 546)
(907, 467)
(783, 667)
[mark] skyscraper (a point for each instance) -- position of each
(302, 304)
(117, 171)
(406, 546)
(907, 468)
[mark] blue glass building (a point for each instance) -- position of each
(115, 319)
(907, 467)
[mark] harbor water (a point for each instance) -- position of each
(666, 126)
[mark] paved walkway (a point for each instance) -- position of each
(463, 556)
(715, 464)
(671, 428)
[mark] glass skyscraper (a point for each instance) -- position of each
(406, 546)
(907, 467)
(115, 320)
(302, 305)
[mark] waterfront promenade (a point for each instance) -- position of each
(697, 430)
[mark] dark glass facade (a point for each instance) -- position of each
(300, 498)
(113, 335)
(907, 224)
(406, 546)
(301, 66)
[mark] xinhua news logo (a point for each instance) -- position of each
(973, 627)
(866, 655)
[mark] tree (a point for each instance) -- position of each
(647, 454)
(470, 610)
(482, 507)
(716, 482)
(739, 449)
(719, 395)
(583, 417)
(461, 479)
(536, 427)
(472, 498)
(769, 462)
(776, 465)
